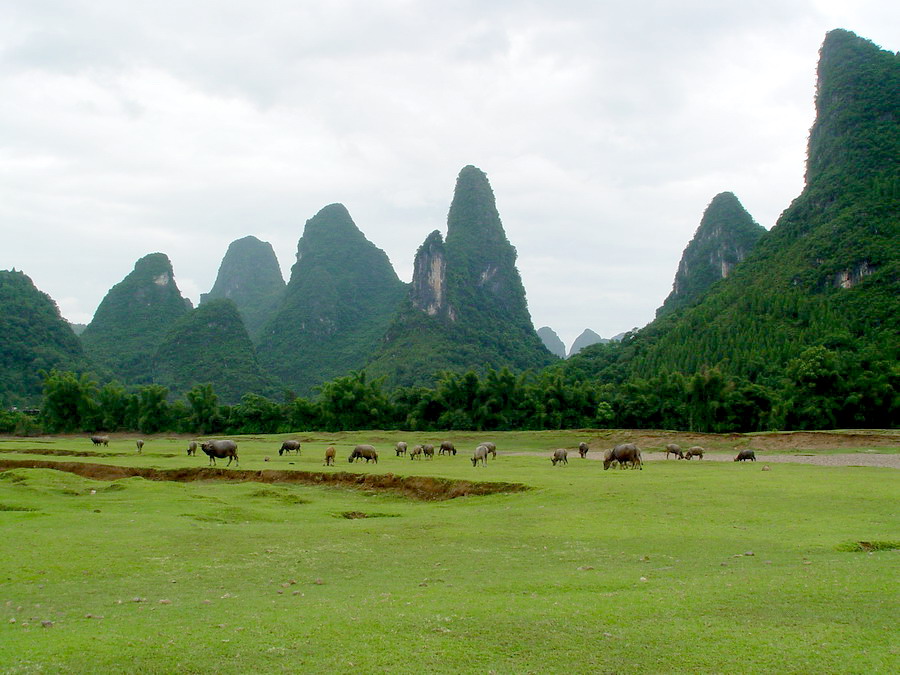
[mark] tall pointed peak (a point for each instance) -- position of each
(473, 211)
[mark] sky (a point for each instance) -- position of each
(605, 129)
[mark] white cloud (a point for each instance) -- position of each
(605, 129)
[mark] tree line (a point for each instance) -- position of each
(819, 390)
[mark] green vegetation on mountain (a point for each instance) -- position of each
(727, 233)
(818, 299)
(336, 307)
(133, 318)
(466, 309)
(210, 345)
(33, 337)
(249, 275)
(586, 339)
(551, 341)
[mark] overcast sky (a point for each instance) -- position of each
(605, 129)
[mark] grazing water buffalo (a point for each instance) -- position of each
(491, 448)
(366, 452)
(192, 449)
(696, 451)
(401, 448)
(447, 448)
(428, 451)
(416, 452)
(220, 450)
(481, 453)
(744, 455)
(140, 444)
(100, 440)
(329, 456)
(624, 453)
(583, 449)
(675, 450)
(560, 455)
(287, 446)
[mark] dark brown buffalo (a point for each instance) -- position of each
(695, 451)
(428, 451)
(583, 449)
(366, 452)
(447, 448)
(675, 450)
(560, 455)
(624, 453)
(100, 440)
(287, 446)
(745, 455)
(220, 450)
(329, 456)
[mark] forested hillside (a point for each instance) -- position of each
(337, 305)
(132, 319)
(33, 337)
(819, 297)
(210, 345)
(726, 235)
(249, 276)
(466, 309)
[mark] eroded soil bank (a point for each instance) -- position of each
(415, 487)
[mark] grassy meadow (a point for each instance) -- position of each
(701, 566)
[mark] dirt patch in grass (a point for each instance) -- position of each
(66, 453)
(415, 487)
(353, 515)
(869, 546)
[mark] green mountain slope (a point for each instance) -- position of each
(133, 318)
(336, 307)
(210, 346)
(249, 275)
(33, 337)
(726, 235)
(828, 273)
(466, 309)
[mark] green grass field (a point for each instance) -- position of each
(714, 567)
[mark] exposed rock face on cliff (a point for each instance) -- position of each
(132, 319)
(249, 276)
(466, 308)
(726, 235)
(342, 294)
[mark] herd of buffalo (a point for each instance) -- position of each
(624, 454)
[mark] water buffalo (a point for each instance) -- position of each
(100, 440)
(140, 444)
(401, 448)
(675, 450)
(624, 453)
(447, 448)
(287, 446)
(428, 451)
(481, 453)
(366, 452)
(583, 449)
(329, 456)
(491, 448)
(560, 455)
(744, 455)
(416, 452)
(192, 448)
(220, 450)
(695, 451)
